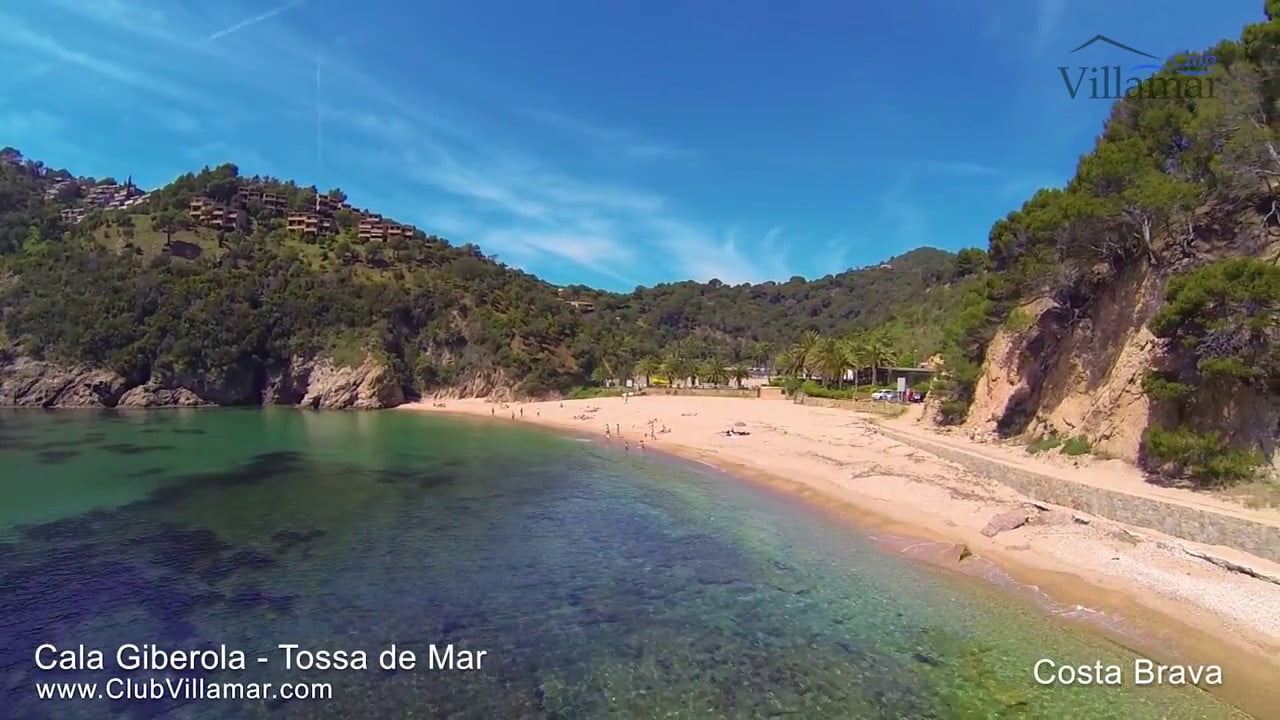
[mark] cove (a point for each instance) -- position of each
(598, 583)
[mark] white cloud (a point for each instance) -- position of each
(251, 21)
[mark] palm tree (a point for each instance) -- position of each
(678, 368)
(831, 360)
(786, 362)
(879, 354)
(803, 352)
(739, 373)
(855, 351)
(647, 367)
(671, 369)
(760, 352)
(715, 371)
(689, 370)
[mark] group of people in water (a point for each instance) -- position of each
(608, 436)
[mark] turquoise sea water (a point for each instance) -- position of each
(600, 583)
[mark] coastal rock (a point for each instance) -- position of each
(317, 383)
(153, 395)
(234, 389)
(25, 382)
(1006, 521)
(493, 384)
(287, 385)
(368, 386)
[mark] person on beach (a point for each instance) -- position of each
(521, 412)
(490, 412)
(626, 446)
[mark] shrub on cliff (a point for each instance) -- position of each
(1204, 457)
(1226, 315)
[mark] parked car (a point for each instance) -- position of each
(915, 396)
(883, 395)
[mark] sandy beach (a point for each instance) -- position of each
(1114, 578)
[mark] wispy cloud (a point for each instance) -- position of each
(532, 212)
(19, 35)
(837, 250)
(19, 123)
(251, 21)
(936, 166)
(626, 142)
(904, 216)
(942, 167)
(470, 181)
(1048, 19)
(177, 120)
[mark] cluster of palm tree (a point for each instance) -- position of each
(826, 359)
(682, 370)
(831, 359)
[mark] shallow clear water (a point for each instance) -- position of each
(601, 583)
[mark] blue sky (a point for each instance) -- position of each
(606, 143)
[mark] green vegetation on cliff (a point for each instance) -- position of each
(149, 293)
(1181, 189)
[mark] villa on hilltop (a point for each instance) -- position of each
(104, 196)
(304, 211)
(320, 218)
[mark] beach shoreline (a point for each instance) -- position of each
(1135, 588)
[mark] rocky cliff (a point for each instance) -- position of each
(314, 383)
(1052, 373)
(321, 383)
(1052, 370)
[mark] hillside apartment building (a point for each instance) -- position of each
(107, 196)
(316, 221)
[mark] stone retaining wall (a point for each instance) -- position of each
(1201, 526)
(704, 392)
(879, 407)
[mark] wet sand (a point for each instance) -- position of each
(1135, 585)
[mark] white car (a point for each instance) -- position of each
(883, 395)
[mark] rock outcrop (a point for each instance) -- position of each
(1073, 375)
(37, 383)
(154, 395)
(324, 384)
(307, 382)
(1080, 373)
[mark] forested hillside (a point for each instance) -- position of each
(152, 295)
(1139, 305)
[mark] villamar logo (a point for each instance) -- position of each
(1107, 82)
